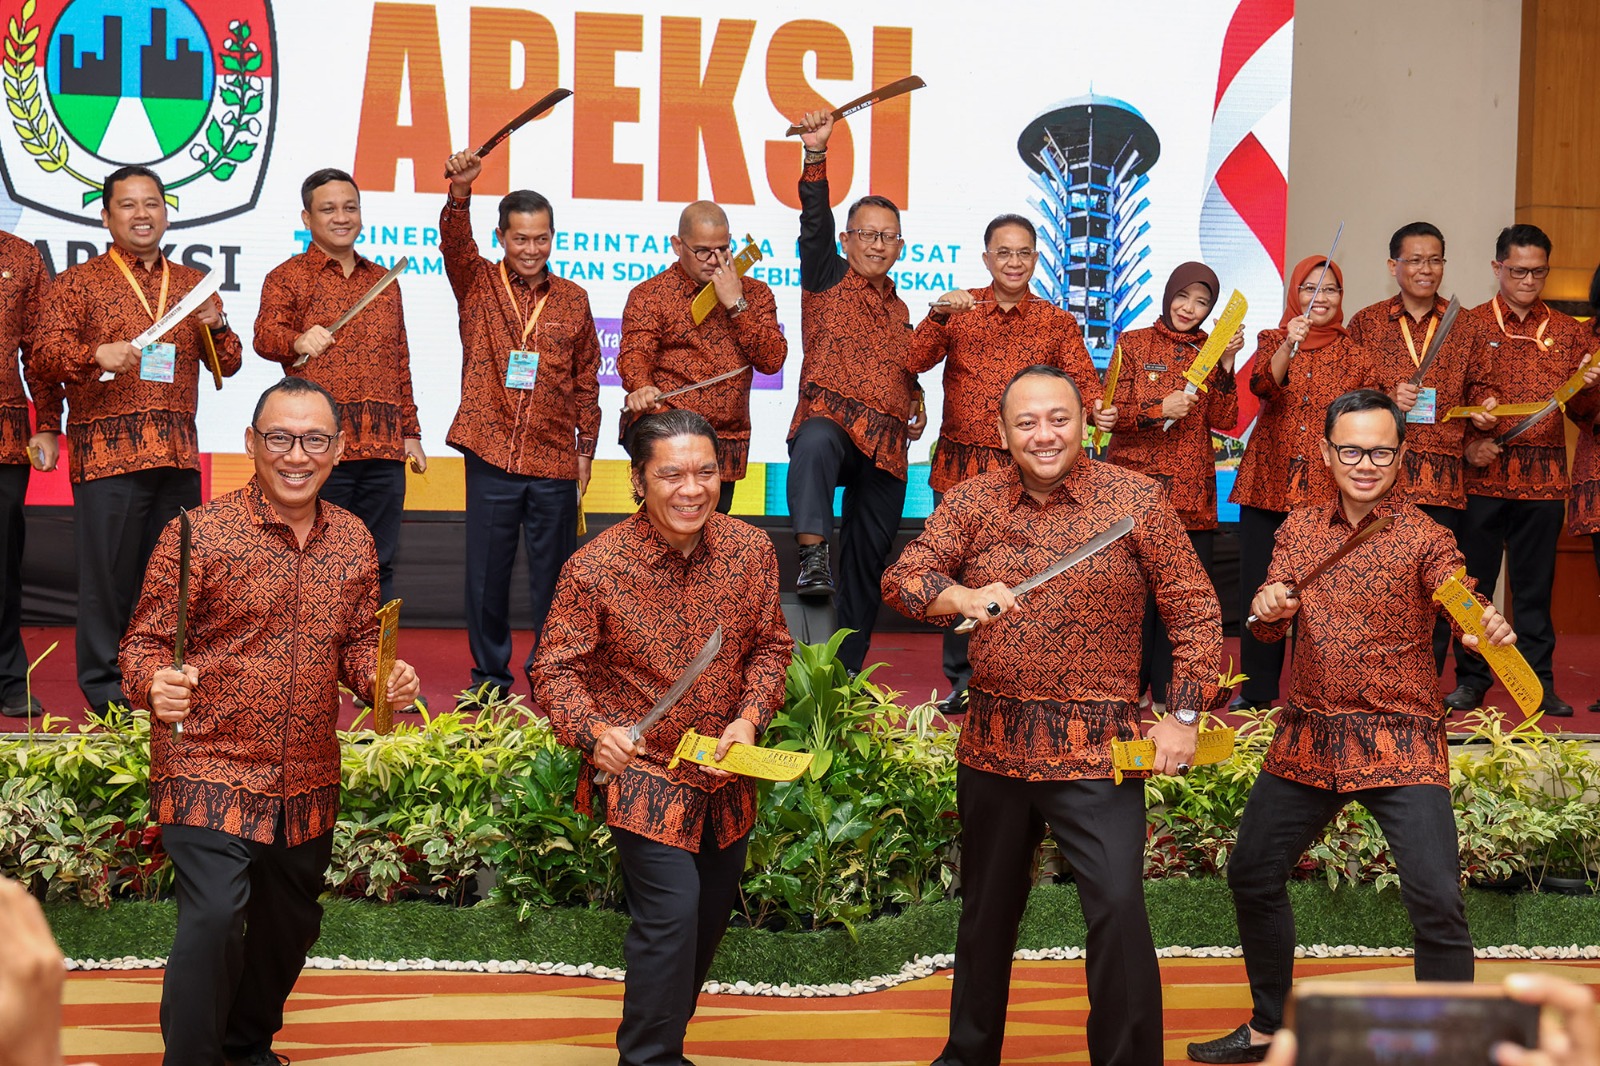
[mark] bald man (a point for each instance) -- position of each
(663, 349)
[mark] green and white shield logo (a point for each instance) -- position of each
(187, 89)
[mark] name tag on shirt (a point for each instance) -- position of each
(1426, 410)
(158, 361)
(523, 370)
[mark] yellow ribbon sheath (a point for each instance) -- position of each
(388, 636)
(1101, 436)
(1139, 756)
(706, 298)
(747, 760)
(1211, 352)
(1506, 661)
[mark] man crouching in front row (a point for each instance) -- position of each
(1363, 721)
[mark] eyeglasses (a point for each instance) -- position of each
(1312, 290)
(873, 236)
(277, 440)
(1006, 255)
(1537, 273)
(707, 255)
(1350, 455)
(1417, 262)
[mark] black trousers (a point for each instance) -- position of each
(680, 902)
(1100, 828)
(501, 507)
(117, 522)
(13, 531)
(1262, 662)
(1528, 531)
(1451, 519)
(247, 915)
(1155, 665)
(725, 497)
(957, 666)
(1282, 818)
(822, 458)
(374, 490)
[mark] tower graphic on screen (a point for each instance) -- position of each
(1091, 159)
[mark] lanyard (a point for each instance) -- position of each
(1405, 331)
(1538, 334)
(138, 290)
(538, 308)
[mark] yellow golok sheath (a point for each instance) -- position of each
(706, 298)
(1506, 661)
(1211, 352)
(388, 636)
(1139, 756)
(746, 760)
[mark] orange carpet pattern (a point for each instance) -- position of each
(358, 1018)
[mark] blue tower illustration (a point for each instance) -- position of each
(1091, 159)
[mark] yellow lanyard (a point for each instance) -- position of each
(538, 308)
(1538, 334)
(1405, 331)
(161, 306)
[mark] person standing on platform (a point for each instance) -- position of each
(367, 367)
(859, 406)
(1583, 512)
(663, 349)
(1055, 679)
(633, 608)
(530, 411)
(134, 453)
(1394, 335)
(1282, 468)
(1516, 494)
(24, 283)
(247, 795)
(1181, 458)
(1363, 723)
(984, 336)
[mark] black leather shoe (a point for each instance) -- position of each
(1555, 707)
(1464, 698)
(816, 579)
(1595, 706)
(21, 706)
(1240, 703)
(954, 704)
(1235, 1047)
(261, 1058)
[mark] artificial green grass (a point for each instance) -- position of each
(1186, 913)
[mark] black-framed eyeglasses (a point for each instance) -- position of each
(873, 236)
(1538, 273)
(708, 255)
(1350, 455)
(277, 440)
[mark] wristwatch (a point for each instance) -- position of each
(1186, 716)
(222, 323)
(740, 306)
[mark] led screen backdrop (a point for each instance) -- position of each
(1137, 135)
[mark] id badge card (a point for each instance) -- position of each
(522, 371)
(1426, 408)
(158, 361)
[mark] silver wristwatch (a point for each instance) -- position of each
(740, 306)
(1186, 715)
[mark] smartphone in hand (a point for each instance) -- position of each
(1343, 1023)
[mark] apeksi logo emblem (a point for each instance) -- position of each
(186, 89)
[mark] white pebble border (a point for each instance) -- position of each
(922, 966)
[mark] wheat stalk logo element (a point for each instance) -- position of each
(41, 138)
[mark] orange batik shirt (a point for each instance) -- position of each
(630, 612)
(127, 424)
(1182, 458)
(856, 340)
(274, 628)
(982, 350)
(1435, 453)
(1363, 709)
(23, 285)
(1583, 508)
(368, 366)
(1055, 682)
(662, 346)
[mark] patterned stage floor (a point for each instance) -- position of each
(356, 1018)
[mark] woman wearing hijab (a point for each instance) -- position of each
(1282, 467)
(1150, 391)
